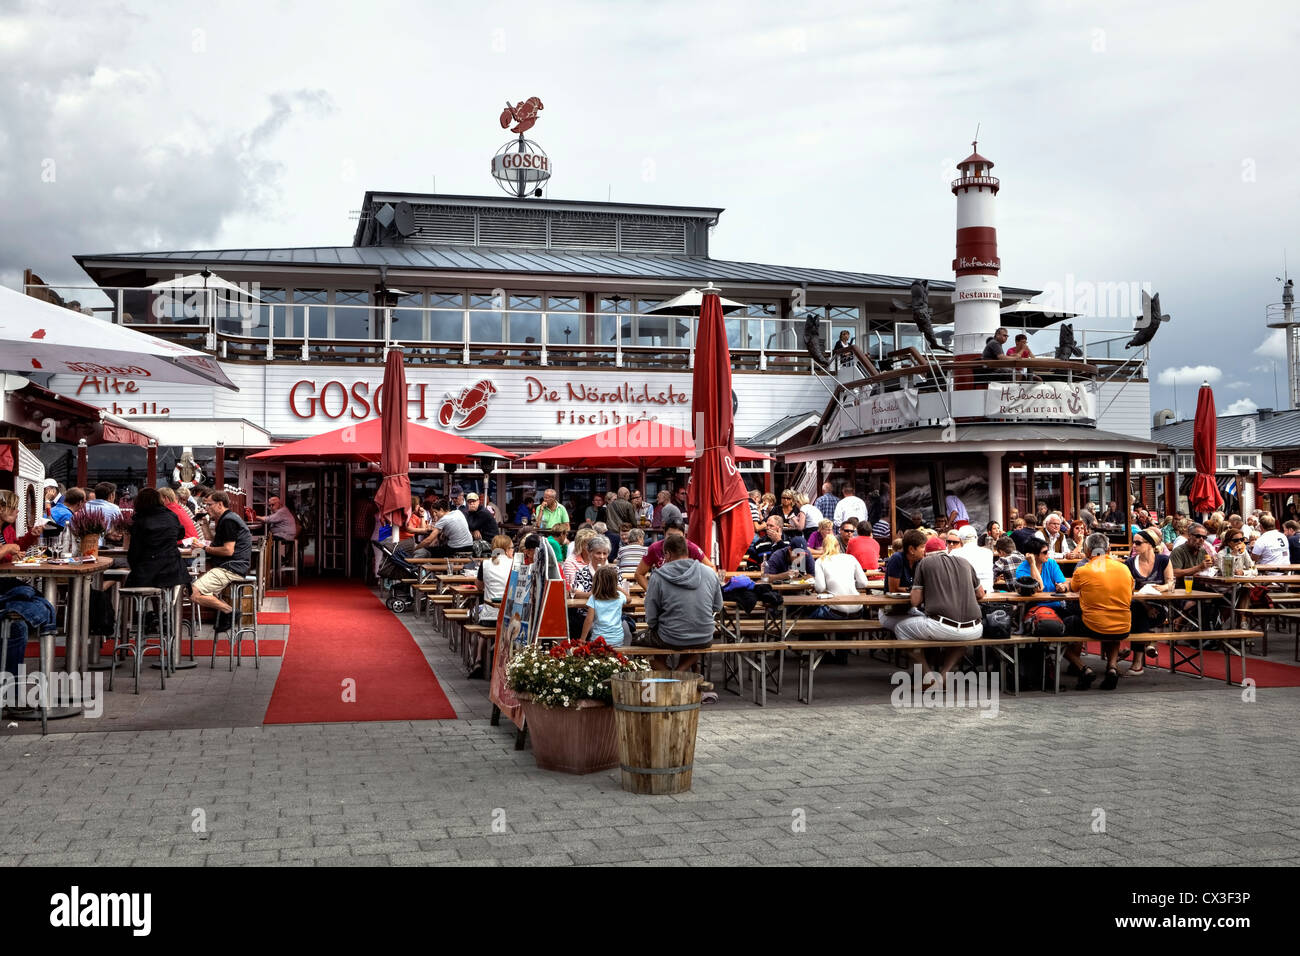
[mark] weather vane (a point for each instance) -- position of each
(521, 167)
(524, 116)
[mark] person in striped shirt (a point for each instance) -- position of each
(632, 550)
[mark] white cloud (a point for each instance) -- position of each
(1239, 384)
(1190, 375)
(1242, 406)
(1273, 347)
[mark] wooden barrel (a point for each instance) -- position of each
(656, 715)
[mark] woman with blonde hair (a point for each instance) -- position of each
(577, 556)
(817, 540)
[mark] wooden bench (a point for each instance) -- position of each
(1290, 614)
(811, 654)
(469, 631)
(752, 654)
(1177, 655)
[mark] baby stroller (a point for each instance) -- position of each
(393, 569)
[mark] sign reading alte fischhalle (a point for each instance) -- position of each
(1048, 401)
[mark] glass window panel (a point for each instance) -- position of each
(352, 318)
(655, 330)
(311, 302)
(525, 318)
(408, 322)
(564, 303)
(484, 323)
(607, 327)
(446, 300)
(564, 328)
(615, 303)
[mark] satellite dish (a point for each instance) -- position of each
(405, 219)
(384, 215)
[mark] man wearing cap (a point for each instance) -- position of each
(981, 559)
(1105, 589)
(950, 592)
(456, 498)
(482, 526)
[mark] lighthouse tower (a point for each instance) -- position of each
(977, 299)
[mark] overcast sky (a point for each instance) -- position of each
(1137, 143)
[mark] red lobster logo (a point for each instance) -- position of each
(524, 116)
(469, 406)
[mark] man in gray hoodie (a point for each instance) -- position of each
(681, 602)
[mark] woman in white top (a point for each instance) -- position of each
(838, 574)
(494, 578)
(812, 516)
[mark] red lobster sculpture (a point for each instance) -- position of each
(524, 116)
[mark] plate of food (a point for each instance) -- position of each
(897, 594)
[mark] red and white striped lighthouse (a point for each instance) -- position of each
(977, 300)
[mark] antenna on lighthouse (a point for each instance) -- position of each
(974, 144)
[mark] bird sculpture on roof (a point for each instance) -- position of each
(1066, 348)
(922, 314)
(1145, 325)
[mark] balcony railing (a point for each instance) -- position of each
(232, 327)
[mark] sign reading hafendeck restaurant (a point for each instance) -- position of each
(1052, 401)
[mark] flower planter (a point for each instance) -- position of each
(90, 545)
(577, 739)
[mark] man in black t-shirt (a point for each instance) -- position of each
(229, 556)
(482, 526)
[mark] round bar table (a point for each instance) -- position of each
(78, 574)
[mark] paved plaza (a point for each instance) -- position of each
(1166, 770)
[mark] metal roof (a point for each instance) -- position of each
(623, 265)
(781, 429)
(1278, 430)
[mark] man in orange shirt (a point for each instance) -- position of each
(1105, 589)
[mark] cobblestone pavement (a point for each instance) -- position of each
(1178, 771)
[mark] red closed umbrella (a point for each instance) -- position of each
(716, 494)
(1204, 495)
(394, 494)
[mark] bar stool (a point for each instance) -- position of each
(191, 621)
(140, 598)
(286, 561)
(239, 622)
(6, 623)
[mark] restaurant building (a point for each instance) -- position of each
(525, 322)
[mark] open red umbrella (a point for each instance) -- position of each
(716, 494)
(364, 442)
(640, 444)
(394, 494)
(1204, 495)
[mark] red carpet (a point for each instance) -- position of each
(340, 632)
(1264, 673)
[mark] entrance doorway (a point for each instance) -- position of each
(315, 496)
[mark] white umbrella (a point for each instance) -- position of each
(1027, 310)
(36, 336)
(688, 303)
(200, 281)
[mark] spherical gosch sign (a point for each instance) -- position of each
(520, 166)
